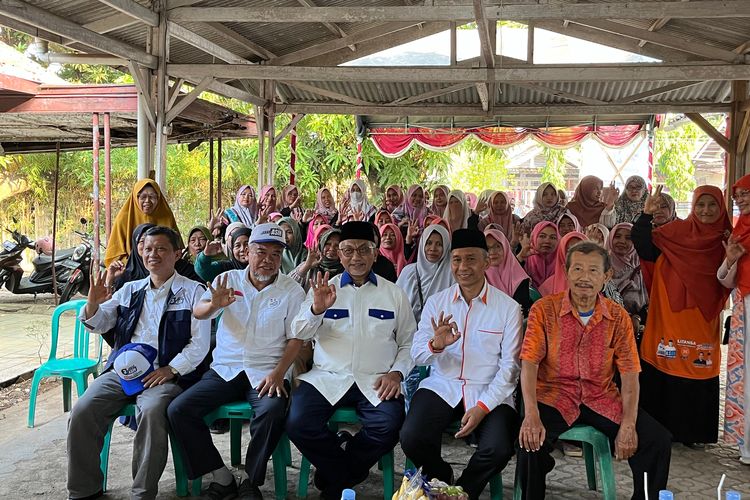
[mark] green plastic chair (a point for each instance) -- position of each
(348, 415)
(237, 413)
(76, 368)
(179, 465)
(596, 451)
(496, 482)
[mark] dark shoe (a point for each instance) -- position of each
(218, 491)
(249, 491)
(98, 494)
(220, 426)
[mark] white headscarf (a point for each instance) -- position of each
(433, 277)
(362, 205)
(460, 196)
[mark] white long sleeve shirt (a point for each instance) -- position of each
(365, 334)
(185, 296)
(483, 366)
(254, 330)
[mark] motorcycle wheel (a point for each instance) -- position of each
(71, 288)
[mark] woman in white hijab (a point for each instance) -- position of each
(356, 205)
(458, 213)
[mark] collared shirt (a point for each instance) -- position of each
(365, 334)
(185, 295)
(577, 363)
(253, 331)
(482, 367)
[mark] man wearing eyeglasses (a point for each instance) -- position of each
(363, 327)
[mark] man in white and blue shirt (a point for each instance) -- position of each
(362, 326)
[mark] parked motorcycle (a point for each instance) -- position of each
(68, 262)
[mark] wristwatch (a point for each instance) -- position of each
(173, 370)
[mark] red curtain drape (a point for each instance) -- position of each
(394, 142)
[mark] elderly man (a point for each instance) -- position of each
(575, 343)
(156, 315)
(470, 336)
(363, 326)
(254, 349)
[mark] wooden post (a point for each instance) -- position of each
(107, 177)
(260, 119)
(218, 175)
(162, 91)
(210, 177)
(54, 221)
(453, 56)
(736, 164)
(271, 113)
(97, 206)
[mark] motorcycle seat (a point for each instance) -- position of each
(60, 255)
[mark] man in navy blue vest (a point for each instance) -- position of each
(155, 313)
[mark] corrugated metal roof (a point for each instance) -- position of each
(284, 38)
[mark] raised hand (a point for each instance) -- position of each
(265, 210)
(216, 220)
(313, 259)
(358, 215)
(114, 271)
(653, 201)
(99, 292)
(517, 235)
(324, 295)
(445, 332)
(734, 250)
(610, 195)
(412, 232)
(309, 214)
(212, 248)
(526, 249)
(221, 296)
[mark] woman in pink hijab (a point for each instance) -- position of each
(267, 203)
(317, 221)
(413, 207)
(392, 246)
(538, 253)
(558, 282)
(326, 206)
(505, 273)
(394, 197)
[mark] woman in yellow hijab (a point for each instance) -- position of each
(145, 204)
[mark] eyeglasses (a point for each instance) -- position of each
(362, 251)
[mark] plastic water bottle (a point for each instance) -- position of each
(666, 495)
(348, 495)
(733, 495)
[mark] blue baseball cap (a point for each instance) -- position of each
(133, 362)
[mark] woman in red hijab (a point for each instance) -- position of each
(680, 348)
(735, 273)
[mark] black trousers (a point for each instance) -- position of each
(652, 456)
(186, 414)
(421, 440)
(338, 468)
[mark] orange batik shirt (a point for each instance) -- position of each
(577, 363)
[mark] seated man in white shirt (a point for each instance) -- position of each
(470, 336)
(155, 311)
(254, 349)
(363, 326)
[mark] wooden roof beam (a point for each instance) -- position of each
(620, 10)
(709, 129)
(207, 46)
(509, 74)
(134, 10)
(655, 26)
(672, 42)
(237, 38)
(654, 92)
(430, 94)
(558, 93)
(37, 17)
(332, 27)
(328, 93)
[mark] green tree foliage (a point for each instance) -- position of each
(554, 168)
(477, 167)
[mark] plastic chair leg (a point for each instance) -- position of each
(496, 487)
(235, 438)
(287, 450)
(66, 394)
(180, 474)
(588, 455)
(32, 398)
(279, 468)
(304, 477)
(386, 464)
(609, 488)
(196, 487)
(104, 456)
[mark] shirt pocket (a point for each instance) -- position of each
(178, 324)
(490, 341)
(383, 314)
(336, 314)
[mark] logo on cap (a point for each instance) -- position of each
(132, 363)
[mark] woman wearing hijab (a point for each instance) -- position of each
(735, 273)
(439, 199)
(587, 206)
(538, 255)
(558, 281)
(118, 273)
(267, 203)
(317, 221)
(547, 207)
(295, 252)
(458, 214)
(382, 218)
(567, 223)
(626, 267)
(392, 246)
(663, 214)
(598, 233)
(324, 260)
(630, 203)
(678, 387)
(211, 263)
(144, 205)
(245, 208)
(325, 206)
(505, 273)
(413, 207)
(291, 202)
(394, 198)
(198, 238)
(472, 200)
(356, 204)
(499, 212)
